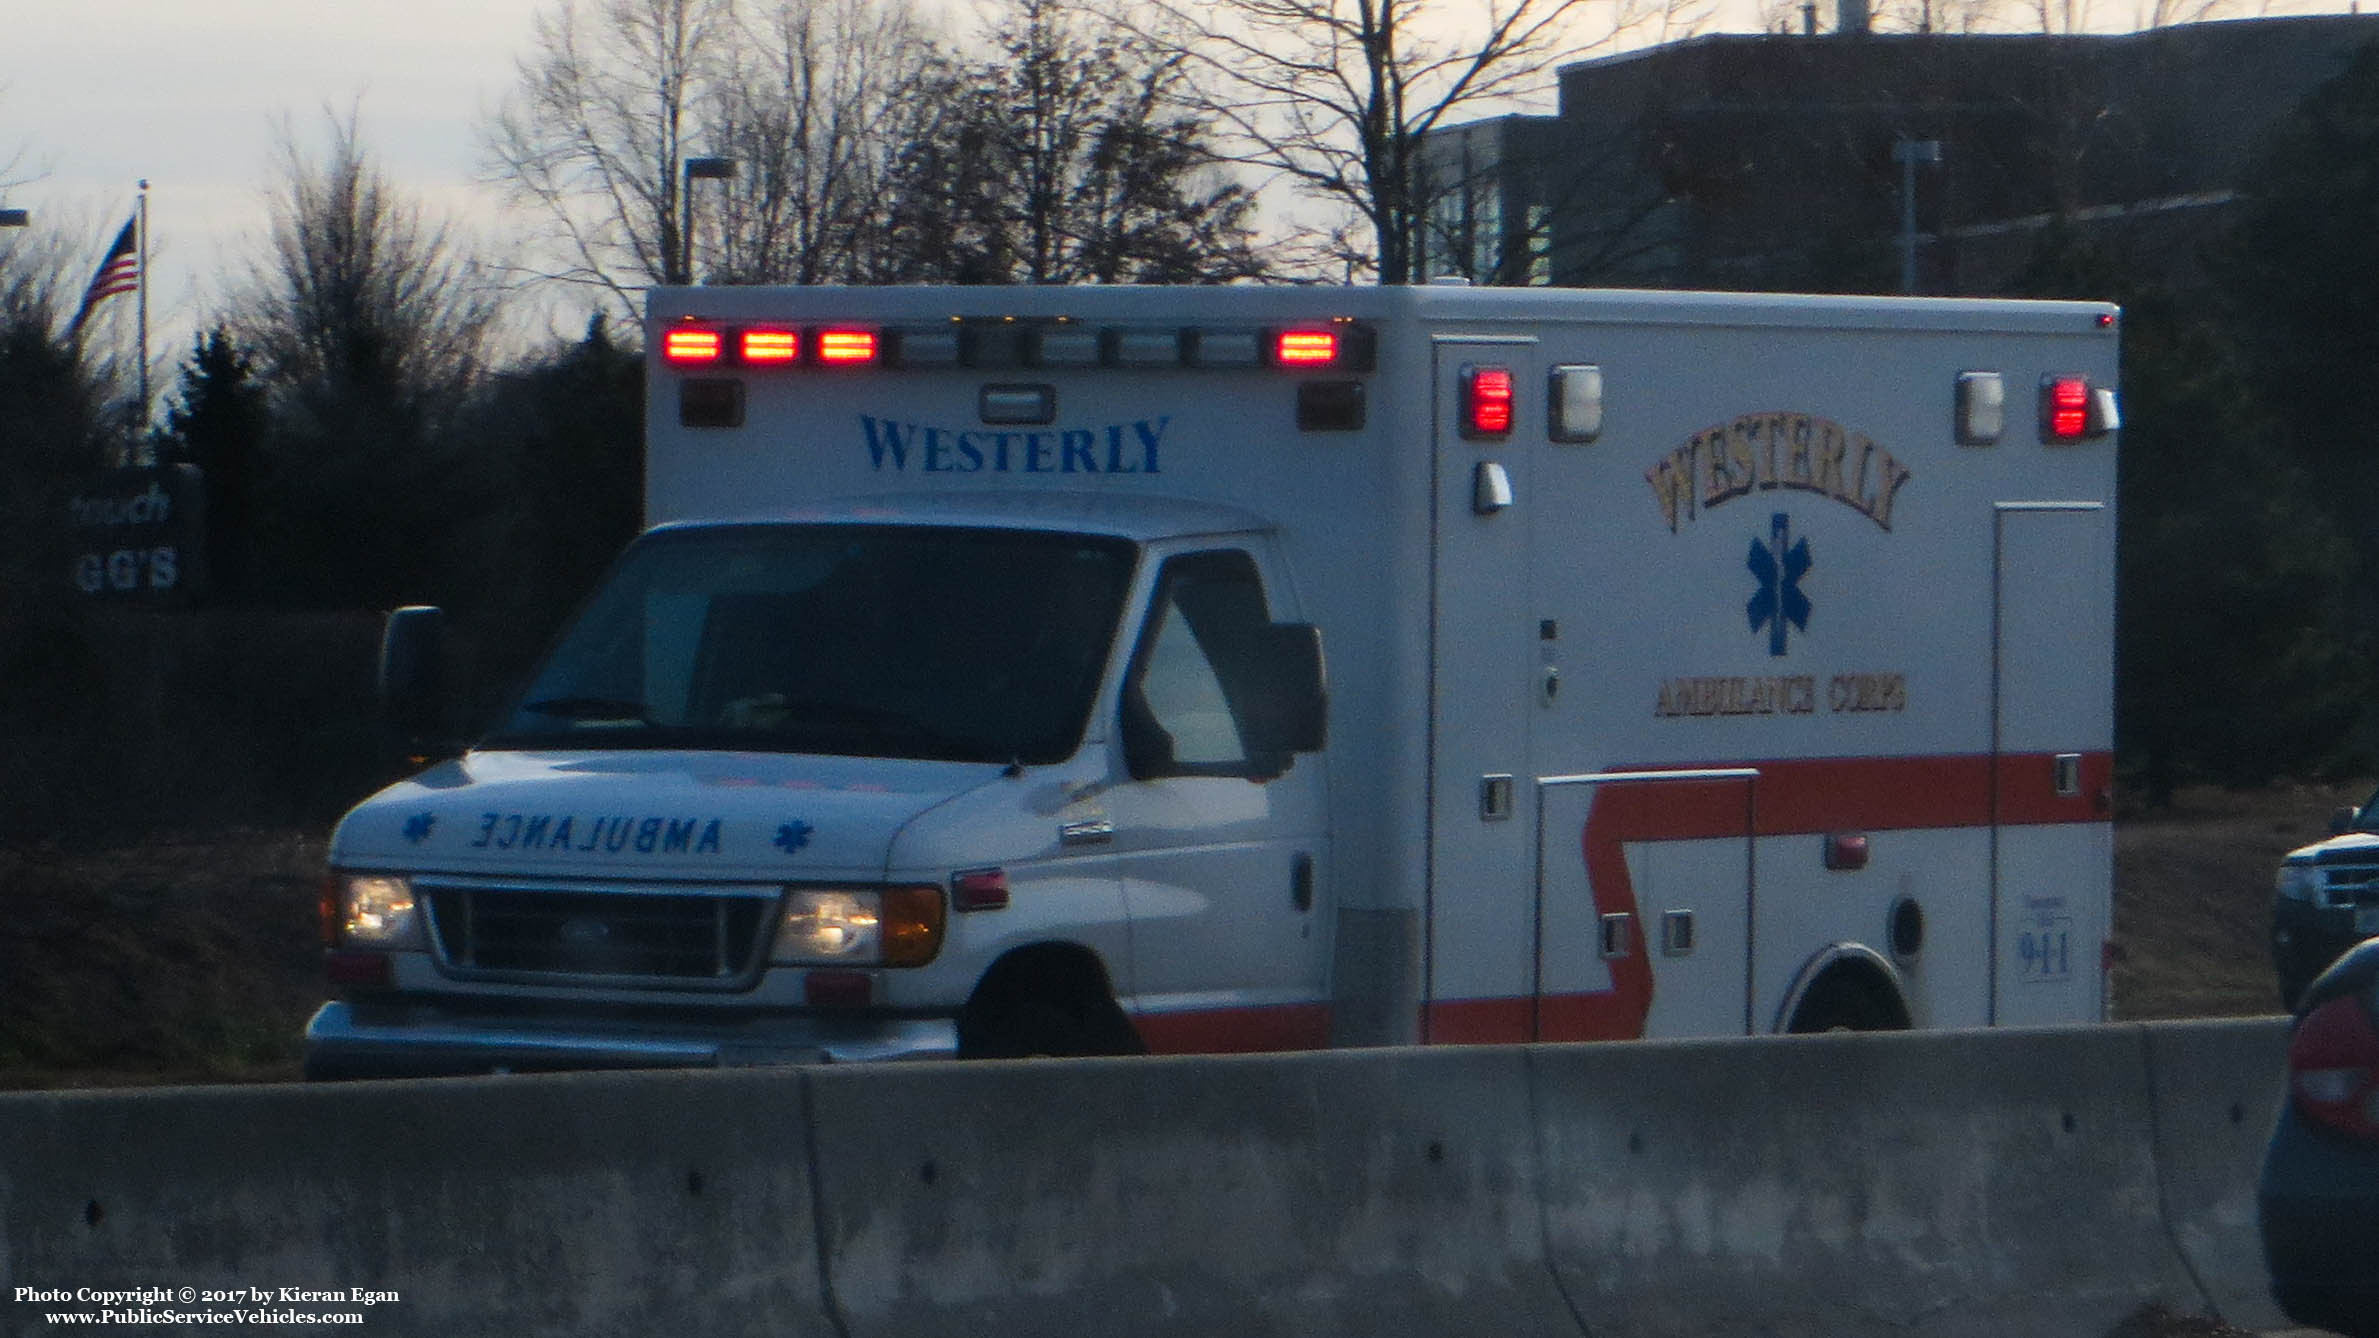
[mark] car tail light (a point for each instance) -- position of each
(2333, 1067)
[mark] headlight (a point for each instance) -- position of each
(376, 910)
(2298, 882)
(847, 926)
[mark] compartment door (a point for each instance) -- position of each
(2052, 738)
(1484, 666)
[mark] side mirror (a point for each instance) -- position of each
(1289, 710)
(2341, 821)
(412, 675)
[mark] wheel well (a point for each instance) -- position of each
(1066, 976)
(1849, 986)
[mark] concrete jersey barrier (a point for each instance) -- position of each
(2045, 1182)
(593, 1204)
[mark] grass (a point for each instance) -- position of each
(197, 958)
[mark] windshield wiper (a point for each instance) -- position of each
(854, 718)
(591, 708)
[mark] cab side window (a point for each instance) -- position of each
(1194, 674)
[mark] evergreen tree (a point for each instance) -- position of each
(2300, 277)
(2239, 653)
(219, 425)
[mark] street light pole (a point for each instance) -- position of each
(1908, 153)
(697, 169)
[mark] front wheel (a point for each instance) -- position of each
(1036, 1027)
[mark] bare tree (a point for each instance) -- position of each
(1337, 96)
(866, 149)
(1065, 156)
(369, 330)
(815, 108)
(595, 135)
(359, 295)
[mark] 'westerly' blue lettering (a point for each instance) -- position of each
(1130, 448)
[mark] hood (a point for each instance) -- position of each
(765, 816)
(2344, 847)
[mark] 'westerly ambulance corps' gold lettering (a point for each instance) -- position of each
(1760, 451)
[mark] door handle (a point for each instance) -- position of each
(1090, 832)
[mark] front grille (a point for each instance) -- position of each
(2350, 884)
(643, 936)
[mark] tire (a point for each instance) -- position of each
(1038, 1028)
(1034, 1028)
(1841, 1002)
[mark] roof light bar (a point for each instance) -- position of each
(1341, 344)
(1305, 348)
(1067, 346)
(1225, 348)
(764, 347)
(845, 348)
(692, 347)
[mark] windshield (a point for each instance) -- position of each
(865, 640)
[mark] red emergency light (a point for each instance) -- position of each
(691, 347)
(1487, 402)
(846, 348)
(1305, 348)
(769, 348)
(2065, 408)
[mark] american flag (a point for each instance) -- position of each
(118, 273)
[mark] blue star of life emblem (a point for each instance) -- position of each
(1779, 564)
(419, 826)
(793, 836)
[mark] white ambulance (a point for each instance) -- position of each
(1692, 665)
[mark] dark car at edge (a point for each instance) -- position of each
(2318, 1198)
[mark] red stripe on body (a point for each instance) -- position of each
(1228, 1031)
(1795, 797)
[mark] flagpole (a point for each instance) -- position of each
(140, 422)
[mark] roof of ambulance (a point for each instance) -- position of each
(1290, 302)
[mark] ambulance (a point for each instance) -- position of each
(1021, 671)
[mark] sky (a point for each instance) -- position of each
(96, 95)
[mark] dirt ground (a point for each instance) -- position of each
(191, 959)
(199, 958)
(2193, 892)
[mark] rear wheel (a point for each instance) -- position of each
(1842, 1001)
(1035, 1028)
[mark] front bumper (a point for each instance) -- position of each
(391, 1040)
